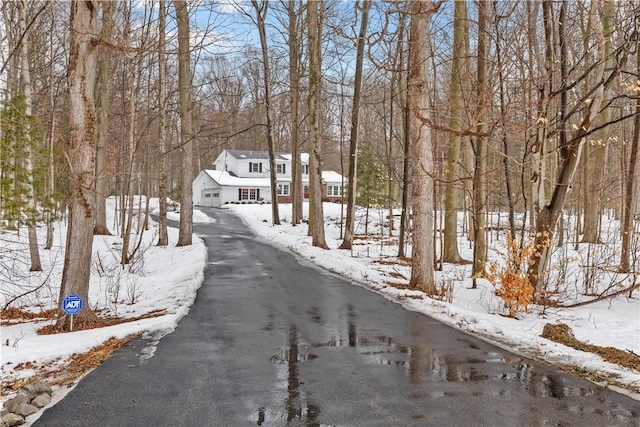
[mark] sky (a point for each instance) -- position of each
(168, 278)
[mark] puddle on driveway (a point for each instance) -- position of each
(434, 368)
(297, 405)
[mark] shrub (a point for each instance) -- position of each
(508, 275)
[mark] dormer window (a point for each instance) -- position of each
(255, 167)
(305, 169)
(281, 168)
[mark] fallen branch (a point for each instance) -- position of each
(604, 297)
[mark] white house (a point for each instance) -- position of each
(243, 176)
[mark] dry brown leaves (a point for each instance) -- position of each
(563, 334)
(66, 373)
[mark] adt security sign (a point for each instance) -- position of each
(72, 304)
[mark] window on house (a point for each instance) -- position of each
(207, 194)
(255, 167)
(334, 190)
(305, 169)
(249, 193)
(281, 168)
(283, 189)
(216, 194)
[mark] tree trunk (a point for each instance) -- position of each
(25, 83)
(163, 131)
(631, 184)
(571, 157)
(422, 167)
(261, 16)
(314, 22)
(347, 242)
(506, 158)
(596, 152)
(103, 107)
(294, 99)
(479, 174)
(452, 193)
(81, 159)
(404, 106)
(185, 234)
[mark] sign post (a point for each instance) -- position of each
(71, 305)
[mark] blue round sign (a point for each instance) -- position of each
(72, 304)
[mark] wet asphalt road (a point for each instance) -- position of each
(271, 341)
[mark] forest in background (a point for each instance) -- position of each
(433, 108)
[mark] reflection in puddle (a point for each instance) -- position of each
(297, 405)
(426, 364)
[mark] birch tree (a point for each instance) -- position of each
(25, 84)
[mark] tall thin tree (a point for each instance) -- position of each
(163, 124)
(261, 9)
(450, 252)
(103, 107)
(347, 242)
(294, 102)
(422, 165)
(315, 13)
(25, 84)
(80, 153)
(185, 235)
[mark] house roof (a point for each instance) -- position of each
(249, 154)
(331, 177)
(226, 179)
(304, 157)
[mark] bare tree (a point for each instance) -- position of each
(261, 16)
(315, 12)
(629, 210)
(103, 107)
(25, 83)
(187, 135)
(570, 154)
(422, 165)
(480, 170)
(80, 153)
(163, 132)
(294, 101)
(452, 193)
(353, 136)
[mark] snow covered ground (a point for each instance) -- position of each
(167, 278)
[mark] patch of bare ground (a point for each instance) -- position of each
(66, 373)
(13, 316)
(403, 261)
(103, 321)
(562, 334)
